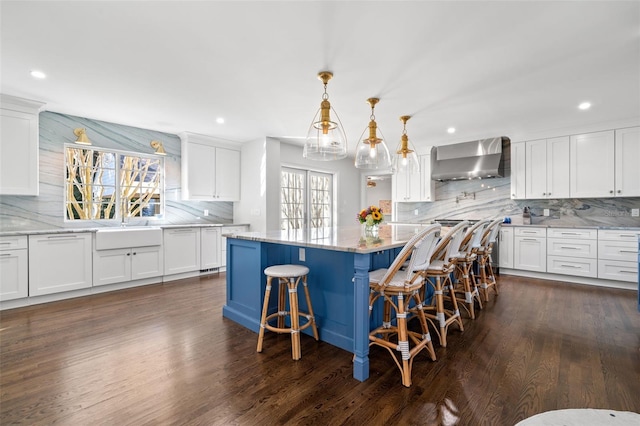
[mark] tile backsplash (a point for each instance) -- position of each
(491, 198)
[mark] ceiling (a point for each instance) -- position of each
(507, 68)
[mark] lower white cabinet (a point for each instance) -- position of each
(181, 250)
(210, 248)
(505, 248)
(618, 254)
(530, 249)
(59, 263)
(572, 251)
(14, 269)
(127, 264)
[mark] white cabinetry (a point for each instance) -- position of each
(210, 248)
(414, 187)
(547, 174)
(406, 187)
(181, 250)
(618, 254)
(518, 170)
(14, 279)
(223, 246)
(428, 185)
(127, 264)
(592, 165)
(59, 262)
(572, 251)
(505, 248)
(18, 146)
(627, 162)
(209, 172)
(530, 249)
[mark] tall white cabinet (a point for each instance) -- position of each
(592, 165)
(210, 171)
(627, 161)
(414, 187)
(19, 146)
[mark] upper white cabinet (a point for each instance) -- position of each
(592, 165)
(428, 185)
(547, 174)
(406, 187)
(627, 177)
(414, 187)
(209, 171)
(518, 170)
(18, 146)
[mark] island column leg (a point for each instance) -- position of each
(362, 263)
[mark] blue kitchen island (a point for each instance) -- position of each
(339, 260)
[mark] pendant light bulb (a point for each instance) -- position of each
(326, 139)
(406, 159)
(372, 152)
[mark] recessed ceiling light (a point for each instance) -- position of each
(220, 120)
(584, 105)
(38, 74)
(451, 130)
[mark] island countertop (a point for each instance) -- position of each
(346, 239)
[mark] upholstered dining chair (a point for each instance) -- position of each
(465, 288)
(399, 288)
(438, 275)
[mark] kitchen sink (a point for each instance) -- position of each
(115, 238)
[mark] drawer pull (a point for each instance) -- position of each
(5, 254)
(628, 272)
(629, 251)
(5, 242)
(570, 233)
(62, 237)
(570, 248)
(628, 235)
(569, 266)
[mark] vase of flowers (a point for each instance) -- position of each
(371, 217)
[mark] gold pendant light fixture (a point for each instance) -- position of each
(372, 152)
(326, 139)
(406, 159)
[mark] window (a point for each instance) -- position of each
(107, 184)
(306, 199)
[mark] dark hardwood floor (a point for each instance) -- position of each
(163, 355)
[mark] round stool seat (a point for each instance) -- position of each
(286, 271)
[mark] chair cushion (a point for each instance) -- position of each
(286, 271)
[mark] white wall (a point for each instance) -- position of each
(251, 208)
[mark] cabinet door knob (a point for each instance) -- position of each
(610, 192)
(128, 254)
(619, 191)
(548, 194)
(544, 193)
(134, 253)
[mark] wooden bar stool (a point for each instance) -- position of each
(467, 291)
(487, 276)
(438, 276)
(289, 277)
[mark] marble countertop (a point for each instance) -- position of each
(95, 229)
(349, 238)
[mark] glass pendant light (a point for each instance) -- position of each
(406, 159)
(326, 139)
(372, 153)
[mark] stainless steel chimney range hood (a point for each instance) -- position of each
(479, 159)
